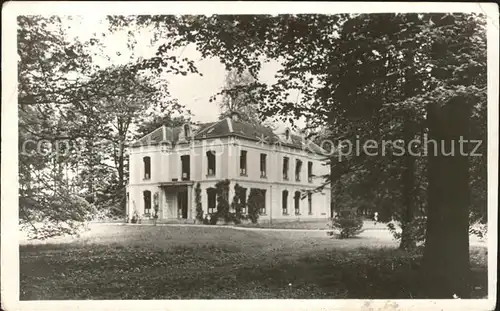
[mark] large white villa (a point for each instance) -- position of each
(167, 164)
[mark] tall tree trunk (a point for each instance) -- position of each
(336, 174)
(446, 254)
(121, 177)
(122, 126)
(91, 167)
(332, 188)
(408, 179)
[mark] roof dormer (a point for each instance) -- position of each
(234, 115)
(186, 132)
(287, 134)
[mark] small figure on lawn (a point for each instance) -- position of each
(375, 217)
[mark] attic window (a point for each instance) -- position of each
(235, 116)
(187, 131)
(287, 134)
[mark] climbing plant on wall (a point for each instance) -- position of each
(229, 212)
(197, 198)
(237, 204)
(222, 192)
(156, 207)
(256, 200)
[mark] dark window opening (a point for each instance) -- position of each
(285, 168)
(297, 203)
(147, 202)
(243, 163)
(187, 131)
(284, 200)
(186, 169)
(147, 167)
(182, 204)
(211, 200)
(263, 207)
(211, 163)
(298, 168)
(263, 166)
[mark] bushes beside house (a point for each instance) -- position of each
(347, 224)
(256, 199)
(238, 204)
(228, 213)
(232, 213)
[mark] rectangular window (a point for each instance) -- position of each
(285, 168)
(147, 167)
(211, 200)
(263, 168)
(309, 171)
(298, 168)
(211, 163)
(297, 202)
(185, 167)
(147, 202)
(263, 207)
(309, 203)
(284, 202)
(243, 163)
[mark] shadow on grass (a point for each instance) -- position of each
(114, 271)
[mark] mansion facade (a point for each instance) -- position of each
(168, 164)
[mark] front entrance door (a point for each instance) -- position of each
(182, 206)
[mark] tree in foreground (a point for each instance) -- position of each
(75, 119)
(428, 68)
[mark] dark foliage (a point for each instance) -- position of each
(348, 224)
(256, 200)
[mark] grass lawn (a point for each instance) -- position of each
(163, 262)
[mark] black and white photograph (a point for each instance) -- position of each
(317, 156)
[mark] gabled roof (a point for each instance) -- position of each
(214, 129)
(225, 128)
(254, 132)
